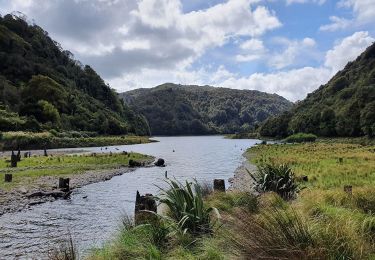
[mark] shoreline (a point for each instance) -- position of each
(43, 189)
(241, 180)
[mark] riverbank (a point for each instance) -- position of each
(325, 221)
(47, 140)
(35, 179)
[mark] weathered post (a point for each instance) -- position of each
(18, 156)
(8, 177)
(64, 184)
(13, 160)
(144, 207)
(219, 185)
(348, 189)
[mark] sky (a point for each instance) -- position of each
(287, 47)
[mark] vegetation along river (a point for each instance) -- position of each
(93, 212)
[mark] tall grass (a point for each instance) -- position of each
(186, 206)
(66, 250)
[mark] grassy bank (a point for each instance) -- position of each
(323, 222)
(30, 169)
(47, 140)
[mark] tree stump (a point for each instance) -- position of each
(13, 160)
(219, 185)
(348, 189)
(144, 207)
(64, 184)
(8, 177)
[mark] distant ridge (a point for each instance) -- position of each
(173, 109)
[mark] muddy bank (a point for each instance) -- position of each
(45, 189)
(241, 181)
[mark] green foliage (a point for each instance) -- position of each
(343, 107)
(34, 70)
(186, 206)
(175, 109)
(300, 138)
(276, 178)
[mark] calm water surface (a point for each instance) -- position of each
(93, 212)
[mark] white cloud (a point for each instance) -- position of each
(251, 50)
(347, 50)
(363, 10)
(319, 2)
(293, 51)
(337, 23)
(252, 45)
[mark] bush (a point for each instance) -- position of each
(276, 178)
(186, 206)
(301, 138)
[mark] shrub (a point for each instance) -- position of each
(186, 206)
(276, 178)
(300, 138)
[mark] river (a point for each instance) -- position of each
(92, 214)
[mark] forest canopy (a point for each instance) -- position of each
(345, 106)
(42, 87)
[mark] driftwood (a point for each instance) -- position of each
(55, 194)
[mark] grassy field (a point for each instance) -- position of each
(34, 167)
(47, 140)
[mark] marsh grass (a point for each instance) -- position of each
(31, 140)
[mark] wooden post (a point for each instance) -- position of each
(348, 189)
(64, 184)
(219, 185)
(13, 160)
(144, 206)
(45, 152)
(8, 177)
(18, 156)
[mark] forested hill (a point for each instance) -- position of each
(190, 110)
(345, 106)
(43, 87)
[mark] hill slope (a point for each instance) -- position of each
(43, 87)
(345, 106)
(176, 110)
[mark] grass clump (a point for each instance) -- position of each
(301, 138)
(276, 178)
(186, 206)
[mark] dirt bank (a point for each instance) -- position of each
(24, 197)
(241, 181)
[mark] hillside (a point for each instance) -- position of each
(189, 110)
(42, 87)
(345, 106)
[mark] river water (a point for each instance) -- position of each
(92, 214)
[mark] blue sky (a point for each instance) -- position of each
(288, 47)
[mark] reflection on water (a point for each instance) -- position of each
(92, 214)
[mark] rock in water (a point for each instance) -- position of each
(160, 162)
